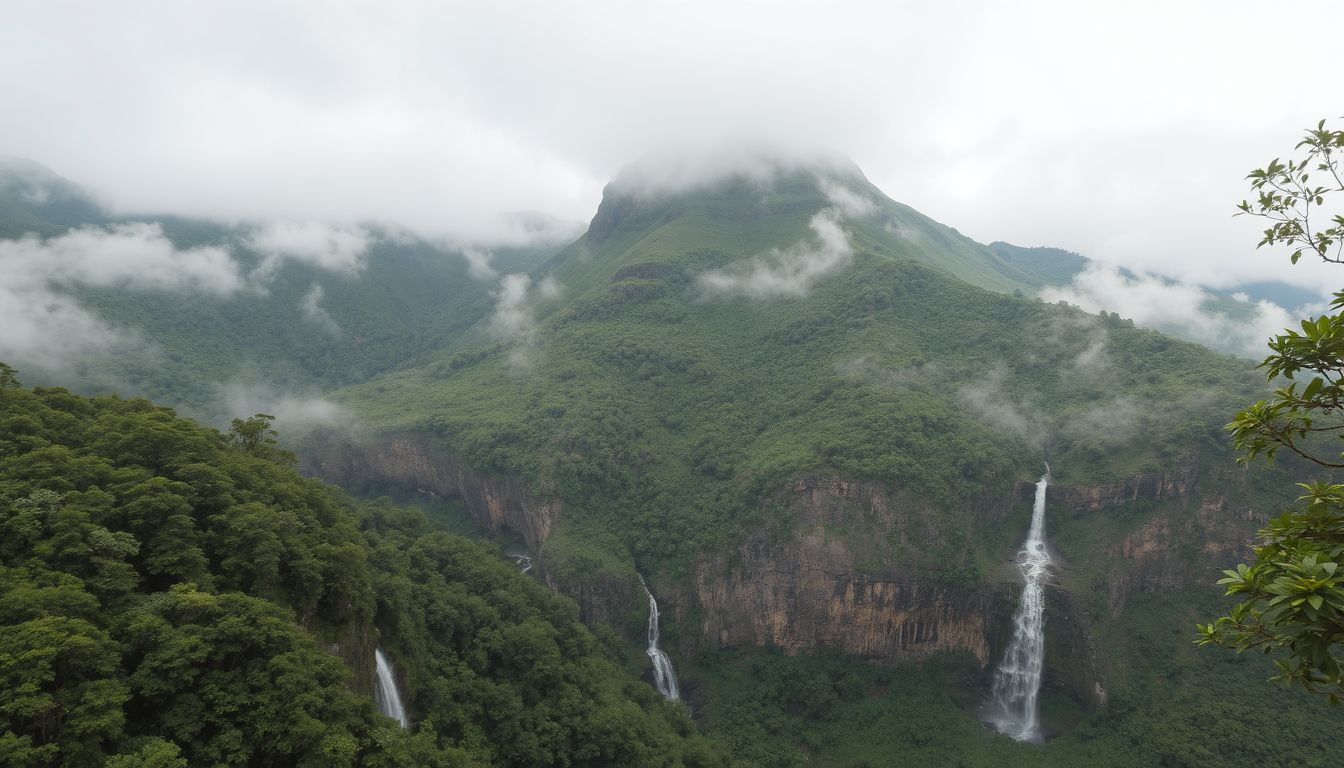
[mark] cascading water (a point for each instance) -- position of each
(1017, 681)
(524, 562)
(385, 693)
(664, 677)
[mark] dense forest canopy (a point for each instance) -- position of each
(173, 597)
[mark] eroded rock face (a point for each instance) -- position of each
(1153, 486)
(840, 569)
(1183, 545)
(495, 503)
(854, 565)
(1190, 528)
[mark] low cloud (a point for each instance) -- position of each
(337, 248)
(311, 307)
(478, 263)
(1181, 309)
(790, 272)
(530, 228)
(136, 256)
(44, 327)
(295, 413)
(701, 166)
(514, 320)
(852, 204)
(996, 406)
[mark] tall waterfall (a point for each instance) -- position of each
(663, 675)
(1017, 681)
(385, 694)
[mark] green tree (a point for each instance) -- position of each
(256, 436)
(1292, 595)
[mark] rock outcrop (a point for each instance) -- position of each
(495, 503)
(842, 568)
(864, 568)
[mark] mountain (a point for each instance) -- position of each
(225, 319)
(806, 418)
(812, 419)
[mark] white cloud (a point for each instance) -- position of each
(514, 320)
(311, 307)
(987, 396)
(294, 413)
(328, 112)
(1181, 309)
(478, 263)
(338, 248)
(550, 288)
(850, 203)
(51, 331)
(42, 326)
(135, 256)
(790, 272)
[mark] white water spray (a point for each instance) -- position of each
(664, 677)
(1017, 682)
(385, 692)
(524, 562)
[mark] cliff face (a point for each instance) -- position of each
(1188, 527)
(1152, 486)
(867, 569)
(495, 503)
(840, 568)
(848, 566)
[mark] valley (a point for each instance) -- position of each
(807, 418)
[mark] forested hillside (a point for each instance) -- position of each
(663, 408)
(172, 596)
(807, 417)
(784, 404)
(217, 318)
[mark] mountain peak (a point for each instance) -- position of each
(757, 165)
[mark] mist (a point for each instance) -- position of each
(296, 412)
(1181, 309)
(790, 272)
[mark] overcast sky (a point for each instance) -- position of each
(1120, 130)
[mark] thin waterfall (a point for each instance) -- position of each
(664, 677)
(1017, 681)
(385, 694)
(524, 562)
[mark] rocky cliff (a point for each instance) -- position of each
(872, 570)
(845, 566)
(497, 504)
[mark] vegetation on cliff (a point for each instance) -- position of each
(169, 596)
(1169, 705)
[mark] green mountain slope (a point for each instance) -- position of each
(664, 412)
(286, 328)
(33, 198)
(709, 223)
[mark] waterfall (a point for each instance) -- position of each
(664, 677)
(385, 693)
(524, 562)
(1017, 681)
